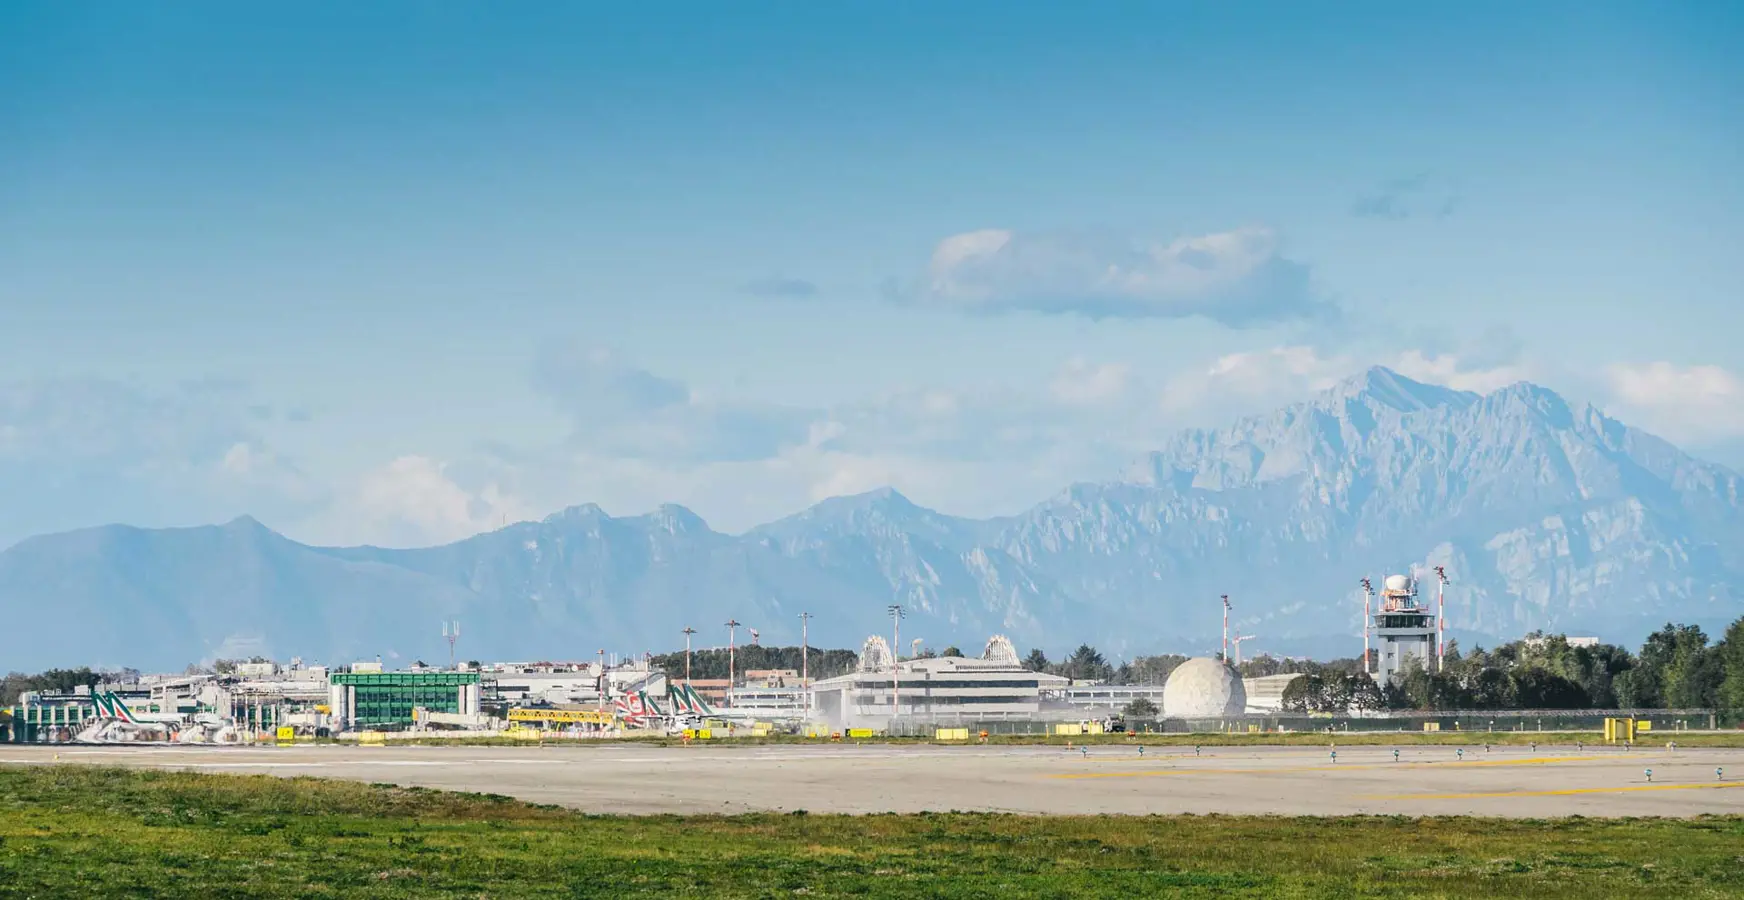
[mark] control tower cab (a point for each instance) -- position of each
(1403, 630)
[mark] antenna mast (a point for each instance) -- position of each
(451, 632)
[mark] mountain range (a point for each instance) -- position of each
(1544, 515)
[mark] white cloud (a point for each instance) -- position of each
(1450, 370)
(78, 453)
(1081, 382)
(622, 410)
(1254, 380)
(413, 501)
(1682, 403)
(1236, 277)
(1243, 382)
(644, 439)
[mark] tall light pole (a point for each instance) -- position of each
(688, 631)
(1441, 618)
(601, 684)
(1226, 628)
(896, 615)
(805, 661)
(1368, 617)
(732, 632)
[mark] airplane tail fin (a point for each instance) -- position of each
(694, 701)
(112, 706)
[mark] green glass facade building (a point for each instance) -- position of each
(386, 699)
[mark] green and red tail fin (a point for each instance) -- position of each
(110, 705)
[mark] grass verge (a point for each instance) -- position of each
(105, 832)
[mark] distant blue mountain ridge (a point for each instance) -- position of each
(1545, 516)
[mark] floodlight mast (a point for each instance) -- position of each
(732, 632)
(896, 614)
(1226, 628)
(688, 631)
(1368, 617)
(804, 661)
(1441, 618)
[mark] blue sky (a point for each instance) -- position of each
(397, 273)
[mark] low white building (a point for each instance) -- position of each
(939, 689)
(1266, 693)
(1109, 697)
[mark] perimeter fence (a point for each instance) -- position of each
(1535, 720)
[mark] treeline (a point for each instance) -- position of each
(1088, 664)
(54, 681)
(712, 664)
(1676, 668)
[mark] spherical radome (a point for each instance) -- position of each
(1203, 688)
(1398, 583)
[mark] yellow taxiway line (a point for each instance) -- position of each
(1558, 793)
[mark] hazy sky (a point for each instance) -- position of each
(393, 272)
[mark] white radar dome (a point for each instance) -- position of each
(1203, 688)
(1398, 583)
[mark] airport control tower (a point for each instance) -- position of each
(1402, 628)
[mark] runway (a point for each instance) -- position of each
(625, 778)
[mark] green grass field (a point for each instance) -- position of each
(77, 831)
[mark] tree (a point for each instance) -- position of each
(1086, 664)
(1150, 669)
(1036, 661)
(1730, 653)
(1539, 688)
(1141, 708)
(1365, 695)
(1692, 679)
(1490, 689)
(952, 650)
(1303, 694)
(712, 663)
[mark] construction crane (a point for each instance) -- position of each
(1239, 637)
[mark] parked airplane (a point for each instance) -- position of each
(116, 724)
(681, 708)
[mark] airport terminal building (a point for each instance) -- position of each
(941, 689)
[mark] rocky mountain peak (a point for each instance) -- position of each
(1545, 517)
